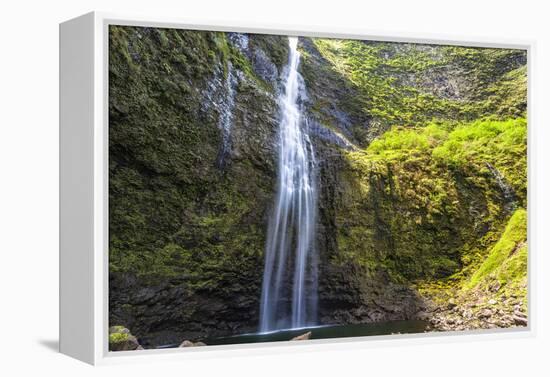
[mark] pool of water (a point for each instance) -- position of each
(329, 331)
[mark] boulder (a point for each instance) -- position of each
(423, 316)
(305, 336)
(467, 314)
(188, 343)
(120, 339)
(485, 313)
(520, 320)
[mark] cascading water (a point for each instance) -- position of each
(289, 292)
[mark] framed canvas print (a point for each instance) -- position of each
(226, 187)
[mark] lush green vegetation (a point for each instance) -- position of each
(502, 144)
(179, 225)
(118, 338)
(169, 203)
(412, 85)
(469, 147)
(427, 197)
(436, 179)
(507, 260)
(442, 163)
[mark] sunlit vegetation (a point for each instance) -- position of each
(426, 202)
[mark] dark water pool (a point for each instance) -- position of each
(330, 331)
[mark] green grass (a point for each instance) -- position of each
(467, 148)
(507, 260)
(503, 144)
(400, 142)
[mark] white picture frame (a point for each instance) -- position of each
(84, 189)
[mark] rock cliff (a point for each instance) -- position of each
(421, 163)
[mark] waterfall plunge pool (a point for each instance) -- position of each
(327, 332)
(323, 332)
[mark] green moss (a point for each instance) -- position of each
(503, 144)
(398, 83)
(273, 45)
(118, 337)
(175, 217)
(419, 202)
(401, 143)
(497, 280)
(507, 260)
(118, 329)
(422, 240)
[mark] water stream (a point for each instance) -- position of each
(289, 291)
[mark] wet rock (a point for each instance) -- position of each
(507, 190)
(305, 336)
(328, 135)
(239, 40)
(264, 67)
(188, 120)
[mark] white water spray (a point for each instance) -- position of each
(289, 292)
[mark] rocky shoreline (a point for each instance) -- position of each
(462, 312)
(121, 339)
(476, 311)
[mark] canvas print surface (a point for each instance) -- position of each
(272, 188)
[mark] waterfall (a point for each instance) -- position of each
(289, 291)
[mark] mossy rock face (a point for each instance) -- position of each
(495, 294)
(400, 84)
(186, 232)
(416, 183)
(386, 223)
(506, 263)
(423, 192)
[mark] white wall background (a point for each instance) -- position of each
(29, 186)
